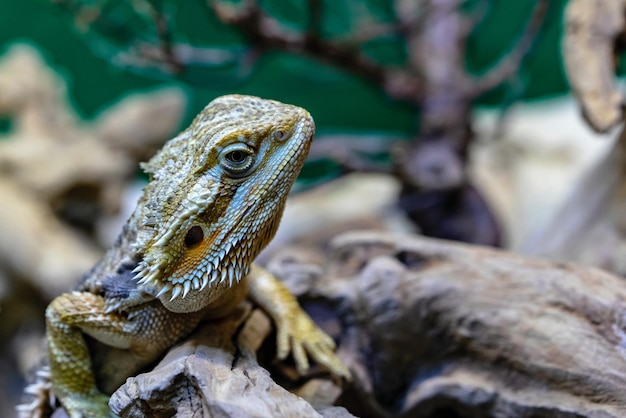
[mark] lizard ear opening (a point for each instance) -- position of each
(194, 236)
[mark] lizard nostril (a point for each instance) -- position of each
(194, 236)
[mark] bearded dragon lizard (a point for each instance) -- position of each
(214, 200)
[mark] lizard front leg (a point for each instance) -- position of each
(296, 331)
(71, 368)
(139, 330)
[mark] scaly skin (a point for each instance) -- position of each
(215, 199)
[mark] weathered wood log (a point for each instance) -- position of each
(432, 329)
(593, 29)
(215, 373)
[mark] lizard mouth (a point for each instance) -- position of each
(183, 287)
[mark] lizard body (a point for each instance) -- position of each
(214, 200)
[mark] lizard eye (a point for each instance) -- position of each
(236, 157)
(237, 160)
(194, 236)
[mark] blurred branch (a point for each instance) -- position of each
(477, 15)
(349, 150)
(411, 15)
(264, 31)
(368, 30)
(371, 31)
(593, 29)
(510, 63)
(164, 32)
(144, 54)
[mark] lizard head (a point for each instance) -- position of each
(216, 196)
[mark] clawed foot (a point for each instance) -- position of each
(299, 335)
(296, 331)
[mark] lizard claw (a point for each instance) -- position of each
(299, 335)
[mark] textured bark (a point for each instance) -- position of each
(593, 28)
(211, 375)
(431, 328)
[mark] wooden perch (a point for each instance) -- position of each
(210, 375)
(592, 28)
(432, 328)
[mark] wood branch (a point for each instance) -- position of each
(510, 63)
(267, 32)
(589, 224)
(431, 328)
(348, 151)
(210, 375)
(592, 28)
(436, 53)
(163, 30)
(411, 15)
(144, 55)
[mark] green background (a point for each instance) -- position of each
(338, 101)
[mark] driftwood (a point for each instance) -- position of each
(428, 328)
(214, 374)
(589, 226)
(432, 328)
(593, 30)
